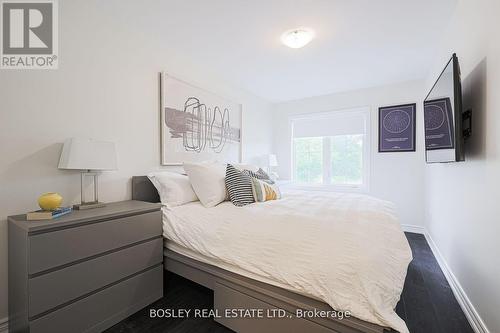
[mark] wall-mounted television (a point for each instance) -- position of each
(444, 118)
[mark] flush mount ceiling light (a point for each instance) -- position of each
(297, 38)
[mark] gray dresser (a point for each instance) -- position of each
(85, 271)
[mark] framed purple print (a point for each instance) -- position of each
(396, 128)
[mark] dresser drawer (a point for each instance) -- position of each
(56, 288)
(52, 249)
(104, 308)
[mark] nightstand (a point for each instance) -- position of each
(84, 271)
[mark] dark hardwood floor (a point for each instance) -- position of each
(427, 303)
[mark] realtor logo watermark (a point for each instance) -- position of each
(29, 37)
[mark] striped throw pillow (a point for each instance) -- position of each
(260, 174)
(239, 186)
(263, 191)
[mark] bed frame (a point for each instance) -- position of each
(234, 291)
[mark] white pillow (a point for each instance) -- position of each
(208, 181)
(242, 167)
(174, 189)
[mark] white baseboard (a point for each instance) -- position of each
(463, 300)
(4, 325)
(413, 228)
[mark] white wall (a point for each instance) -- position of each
(107, 88)
(397, 177)
(462, 199)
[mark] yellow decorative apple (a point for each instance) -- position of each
(50, 201)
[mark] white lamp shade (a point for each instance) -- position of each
(88, 154)
(273, 161)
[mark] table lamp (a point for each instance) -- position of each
(90, 157)
(272, 162)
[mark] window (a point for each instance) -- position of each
(309, 160)
(331, 150)
(346, 159)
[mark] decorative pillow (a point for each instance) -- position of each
(208, 182)
(242, 167)
(239, 186)
(263, 191)
(174, 189)
(260, 174)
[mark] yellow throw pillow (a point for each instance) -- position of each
(263, 191)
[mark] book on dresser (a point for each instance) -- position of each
(48, 214)
(85, 271)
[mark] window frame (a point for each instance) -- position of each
(364, 187)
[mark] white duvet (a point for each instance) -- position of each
(345, 249)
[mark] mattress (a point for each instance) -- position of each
(347, 250)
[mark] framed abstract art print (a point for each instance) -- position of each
(197, 125)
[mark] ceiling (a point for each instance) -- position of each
(358, 44)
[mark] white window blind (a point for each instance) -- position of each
(330, 124)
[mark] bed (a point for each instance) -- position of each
(289, 260)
